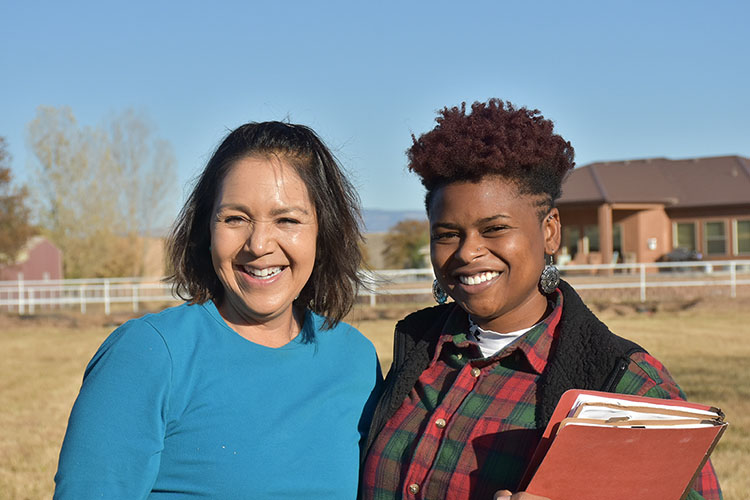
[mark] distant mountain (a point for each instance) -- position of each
(380, 221)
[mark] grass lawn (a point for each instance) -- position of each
(706, 347)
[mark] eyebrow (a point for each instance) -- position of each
(483, 220)
(275, 212)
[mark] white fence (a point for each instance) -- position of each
(28, 297)
(727, 274)
(639, 277)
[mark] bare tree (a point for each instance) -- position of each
(405, 244)
(102, 191)
(15, 224)
(144, 169)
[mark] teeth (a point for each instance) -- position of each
(478, 278)
(266, 273)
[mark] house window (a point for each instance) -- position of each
(742, 237)
(684, 235)
(591, 235)
(617, 239)
(716, 240)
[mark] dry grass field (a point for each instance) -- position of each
(706, 345)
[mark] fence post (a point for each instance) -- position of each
(733, 278)
(106, 297)
(82, 297)
(21, 308)
(643, 282)
(134, 293)
(30, 299)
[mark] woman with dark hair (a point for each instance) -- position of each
(239, 392)
(474, 382)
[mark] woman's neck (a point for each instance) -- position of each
(521, 317)
(273, 332)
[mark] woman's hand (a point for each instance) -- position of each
(521, 495)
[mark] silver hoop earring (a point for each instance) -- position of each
(550, 277)
(440, 296)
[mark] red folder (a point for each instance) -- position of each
(642, 458)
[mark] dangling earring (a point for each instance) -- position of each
(438, 293)
(550, 277)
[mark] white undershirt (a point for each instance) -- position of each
(490, 342)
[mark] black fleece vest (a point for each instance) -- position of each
(586, 355)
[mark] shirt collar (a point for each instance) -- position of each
(534, 344)
(455, 331)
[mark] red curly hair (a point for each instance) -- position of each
(495, 139)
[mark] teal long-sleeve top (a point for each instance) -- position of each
(177, 405)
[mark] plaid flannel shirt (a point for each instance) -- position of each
(468, 429)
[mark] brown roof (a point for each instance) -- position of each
(698, 182)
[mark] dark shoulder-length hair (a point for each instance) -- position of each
(333, 285)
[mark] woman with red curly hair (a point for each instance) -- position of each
(474, 382)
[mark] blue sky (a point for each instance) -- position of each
(620, 80)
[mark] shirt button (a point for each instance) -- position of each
(475, 372)
(440, 423)
(414, 488)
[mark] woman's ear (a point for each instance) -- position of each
(552, 232)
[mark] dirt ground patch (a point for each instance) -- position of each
(726, 305)
(702, 341)
(66, 319)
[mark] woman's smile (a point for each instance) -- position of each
(478, 278)
(263, 274)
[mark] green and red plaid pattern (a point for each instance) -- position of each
(468, 428)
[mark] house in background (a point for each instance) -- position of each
(39, 259)
(640, 210)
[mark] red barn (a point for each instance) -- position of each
(38, 260)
